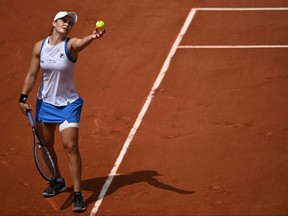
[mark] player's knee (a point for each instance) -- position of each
(71, 147)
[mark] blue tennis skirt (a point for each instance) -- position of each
(49, 113)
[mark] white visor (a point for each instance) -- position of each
(62, 14)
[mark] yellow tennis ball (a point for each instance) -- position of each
(100, 24)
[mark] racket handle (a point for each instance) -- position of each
(30, 118)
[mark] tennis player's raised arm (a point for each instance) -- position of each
(78, 44)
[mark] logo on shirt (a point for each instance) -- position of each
(51, 61)
(62, 55)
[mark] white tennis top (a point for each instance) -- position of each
(57, 84)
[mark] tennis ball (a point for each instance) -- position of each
(100, 24)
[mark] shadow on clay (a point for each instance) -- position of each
(95, 185)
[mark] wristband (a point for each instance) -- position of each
(23, 98)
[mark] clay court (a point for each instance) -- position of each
(185, 108)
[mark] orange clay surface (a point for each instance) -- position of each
(214, 140)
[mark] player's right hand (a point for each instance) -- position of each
(25, 108)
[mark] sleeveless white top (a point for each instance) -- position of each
(57, 85)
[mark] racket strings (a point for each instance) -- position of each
(44, 161)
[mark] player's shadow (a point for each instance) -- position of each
(95, 185)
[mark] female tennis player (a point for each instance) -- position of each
(58, 103)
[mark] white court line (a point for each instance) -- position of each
(142, 113)
(147, 103)
(231, 46)
(236, 46)
(244, 9)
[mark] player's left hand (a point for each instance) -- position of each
(98, 33)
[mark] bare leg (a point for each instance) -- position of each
(70, 143)
(47, 133)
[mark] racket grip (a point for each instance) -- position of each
(30, 118)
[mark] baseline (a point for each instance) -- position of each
(231, 46)
(243, 9)
(194, 10)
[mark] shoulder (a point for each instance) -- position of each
(37, 47)
(71, 41)
(38, 44)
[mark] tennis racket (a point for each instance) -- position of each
(42, 157)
